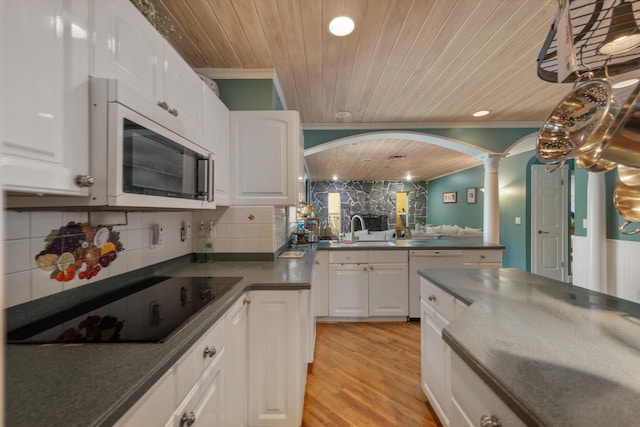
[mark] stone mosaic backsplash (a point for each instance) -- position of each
(371, 197)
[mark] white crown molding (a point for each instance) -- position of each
(245, 73)
(418, 125)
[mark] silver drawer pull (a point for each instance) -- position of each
(209, 351)
(490, 421)
(163, 105)
(187, 419)
(431, 297)
(173, 112)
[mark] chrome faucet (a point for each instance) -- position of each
(353, 233)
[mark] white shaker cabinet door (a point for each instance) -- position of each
(45, 95)
(348, 290)
(265, 157)
(128, 48)
(215, 138)
(388, 289)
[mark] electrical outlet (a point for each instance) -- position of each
(157, 233)
(518, 220)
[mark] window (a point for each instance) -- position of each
(334, 213)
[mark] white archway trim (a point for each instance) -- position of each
(524, 144)
(441, 141)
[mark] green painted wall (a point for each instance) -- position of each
(249, 94)
(460, 213)
(491, 139)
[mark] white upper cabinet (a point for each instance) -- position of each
(215, 138)
(45, 95)
(183, 94)
(265, 157)
(128, 48)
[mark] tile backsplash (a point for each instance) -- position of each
(26, 234)
(247, 229)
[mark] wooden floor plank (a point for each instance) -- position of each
(366, 374)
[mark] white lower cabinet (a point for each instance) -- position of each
(473, 402)
(437, 309)
(276, 367)
(368, 283)
(155, 407)
(236, 364)
(320, 284)
(248, 369)
(349, 290)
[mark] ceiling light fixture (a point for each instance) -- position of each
(408, 178)
(481, 113)
(625, 83)
(623, 34)
(335, 177)
(341, 26)
(343, 115)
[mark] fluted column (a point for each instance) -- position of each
(596, 233)
(491, 218)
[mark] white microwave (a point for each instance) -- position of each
(137, 158)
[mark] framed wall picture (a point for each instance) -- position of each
(471, 194)
(450, 197)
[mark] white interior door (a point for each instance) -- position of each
(549, 217)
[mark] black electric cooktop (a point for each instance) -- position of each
(147, 311)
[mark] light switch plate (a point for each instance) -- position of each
(518, 220)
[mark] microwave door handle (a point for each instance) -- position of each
(211, 186)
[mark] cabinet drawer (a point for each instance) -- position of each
(472, 398)
(388, 257)
(437, 298)
(348, 257)
(191, 366)
(155, 407)
(475, 256)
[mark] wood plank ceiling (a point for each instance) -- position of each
(431, 62)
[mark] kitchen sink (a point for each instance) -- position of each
(365, 244)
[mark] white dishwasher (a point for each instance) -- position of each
(431, 258)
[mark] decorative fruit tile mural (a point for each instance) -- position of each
(78, 249)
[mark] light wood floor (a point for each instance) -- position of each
(366, 374)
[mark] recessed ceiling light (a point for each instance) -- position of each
(481, 113)
(341, 26)
(408, 178)
(335, 177)
(366, 160)
(343, 115)
(625, 83)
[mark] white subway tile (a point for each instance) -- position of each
(223, 245)
(43, 222)
(133, 239)
(265, 231)
(265, 245)
(236, 245)
(133, 259)
(223, 231)
(17, 256)
(16, 225)
(134, 220)
(42, 285)
(17, 289)
(251, 231)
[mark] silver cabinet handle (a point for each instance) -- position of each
(317, 262)
(543, 232)
(371, 267)
(490, 421)
(431, 297)
(187, 419)
(163, 105)
(84, 180)
(365, 268)
(246, 301)
(209, 351)
(482, 256)
(173, 111)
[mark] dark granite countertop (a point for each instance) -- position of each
(405, 244)
(557, 354)
(95, 384)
